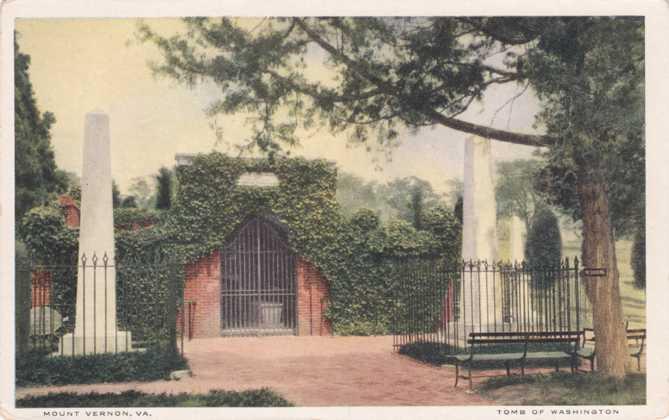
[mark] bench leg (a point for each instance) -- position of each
(508, 372)
(457, 374)
(557, 366)
(638, 363)
(522, 368)
(592, 364)
(469, 369)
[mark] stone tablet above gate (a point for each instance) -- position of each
(258, 179)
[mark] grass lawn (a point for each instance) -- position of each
(634, 300)
(251, 398)
(565, 389)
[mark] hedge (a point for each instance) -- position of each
(38, 368)
(263, 397)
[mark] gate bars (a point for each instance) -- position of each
(258, 282)
(440, 304)
(148, 307)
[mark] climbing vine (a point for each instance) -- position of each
(358, 256)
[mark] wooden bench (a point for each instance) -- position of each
(638, 335)
(524, 339)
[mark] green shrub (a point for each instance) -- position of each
(164, 184)
(543, 251)
(362, 328)
(446, 229)
(365, 219)
(431, 353)
(39, 368)
(639, 258)
(263, 397)
(128, 217)
(543, 247)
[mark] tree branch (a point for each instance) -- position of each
(389, 89)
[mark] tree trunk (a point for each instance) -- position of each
(603, 292)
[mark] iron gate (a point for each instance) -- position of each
(258, 282)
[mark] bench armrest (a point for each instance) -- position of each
(527, 340)
(643, 342)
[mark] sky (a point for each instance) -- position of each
(82, 65)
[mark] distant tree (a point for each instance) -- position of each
(75, 192)
(164, 189)
(515, 190)
(129, 202)
(417, 207)
(456, 189)
(444, 226)
(639, 258)
(458, 209)
(36, 174)
(141, 190)
(410, 197)
(74, 185)
(116, 195)
(355, 193)
(543, 247)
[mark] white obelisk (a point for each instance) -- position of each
(517, 244)
(481, 299)
(95, 329)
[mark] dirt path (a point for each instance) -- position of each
(309, 371)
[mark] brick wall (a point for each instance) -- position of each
(72, 215)
(312, 299)
(41, 288)
(41, 280)
(203, 288)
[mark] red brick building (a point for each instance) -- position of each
(254, 285)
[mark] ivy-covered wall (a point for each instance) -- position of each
(358, 256)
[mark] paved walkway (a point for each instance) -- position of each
(309, 371)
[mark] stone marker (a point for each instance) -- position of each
(516, 236)
(180, 374)
(44, 320)
(479, 237)
(95, 328)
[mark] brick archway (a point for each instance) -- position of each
(203, 295)
(258, 282)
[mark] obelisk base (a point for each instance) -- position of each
(78, 345)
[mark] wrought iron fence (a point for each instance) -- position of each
(122, 305)
(440, 304)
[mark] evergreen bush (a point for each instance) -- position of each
(263, 397)
(39, 368)
(543, 248)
